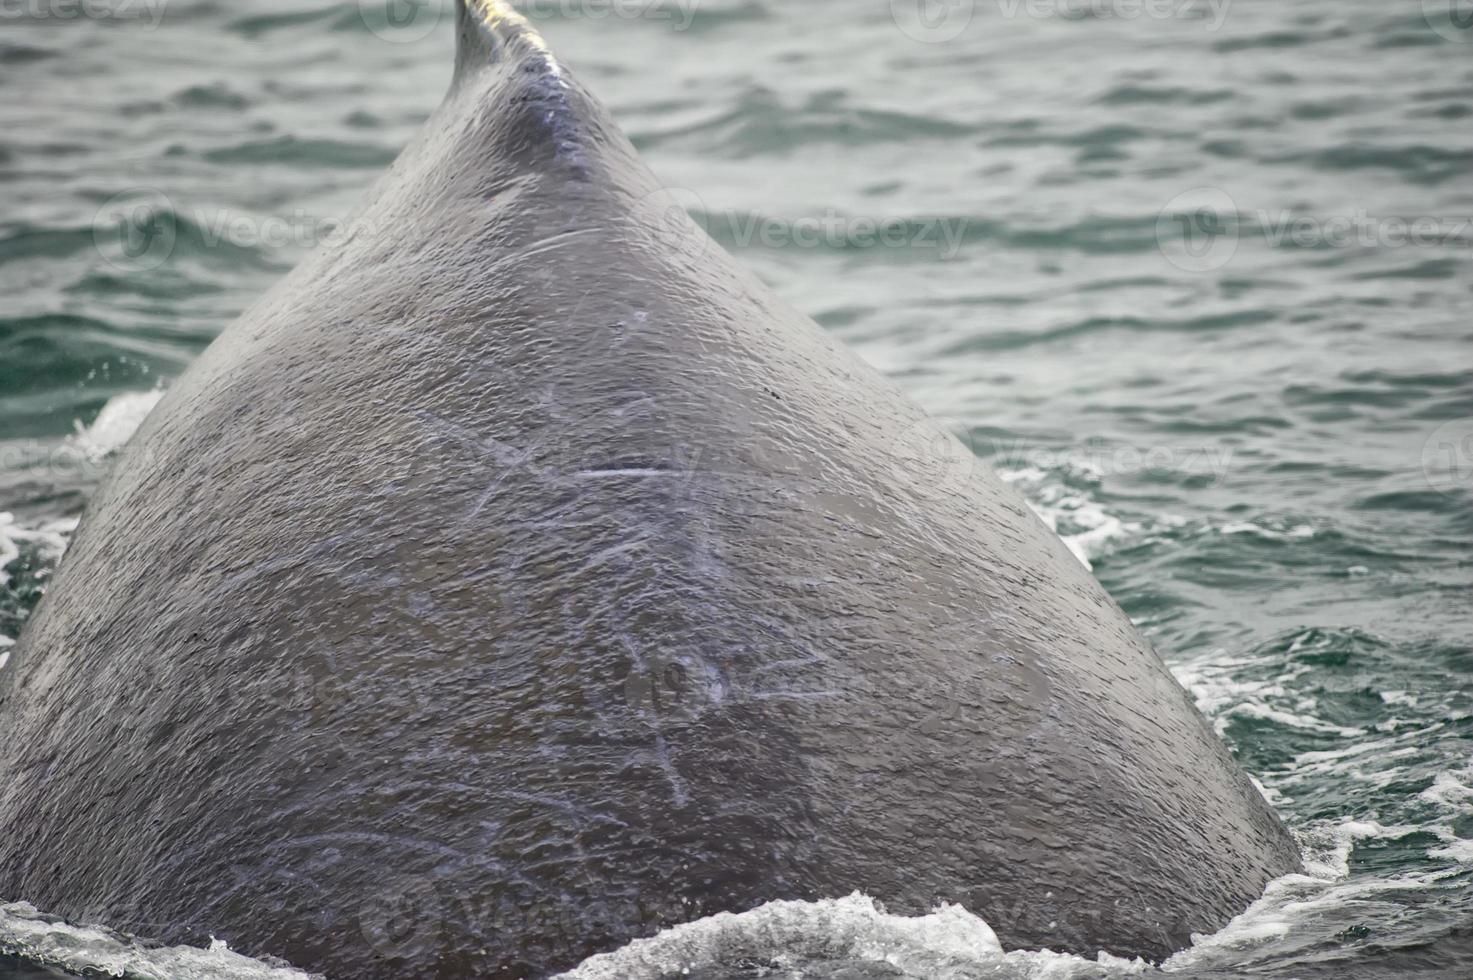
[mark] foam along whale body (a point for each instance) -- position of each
(520, 577)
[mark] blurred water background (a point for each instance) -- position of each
(1195, 275)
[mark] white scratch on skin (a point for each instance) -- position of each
(606, 555)
(667, 765)
(503, 454)
(600, 474)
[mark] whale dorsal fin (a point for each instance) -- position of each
(489, 31)
(541, 114)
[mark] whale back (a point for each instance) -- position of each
(520, 576)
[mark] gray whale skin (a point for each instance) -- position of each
(520, 577)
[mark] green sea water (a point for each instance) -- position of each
(1195, 275)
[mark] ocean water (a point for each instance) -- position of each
(1195, 275)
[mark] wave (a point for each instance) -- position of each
(80, 949)
(1298, 915)
(950, 943)
(116, 423)
(1063, 501)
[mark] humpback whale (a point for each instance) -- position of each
(520, 576)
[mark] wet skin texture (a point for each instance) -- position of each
(520, 576)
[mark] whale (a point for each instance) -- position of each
(520, 577)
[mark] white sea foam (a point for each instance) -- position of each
(1347, 760)
(50, 538)
(1215, 683)
(116, 423)
(1249, 709)
(948, 943)
(1298, 903)
(1243, 527)
(1449, 790)
(1459, 850)
(43, 939)
(9, 548)
(1223, 687)
(1081, 522)
(952, 942)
